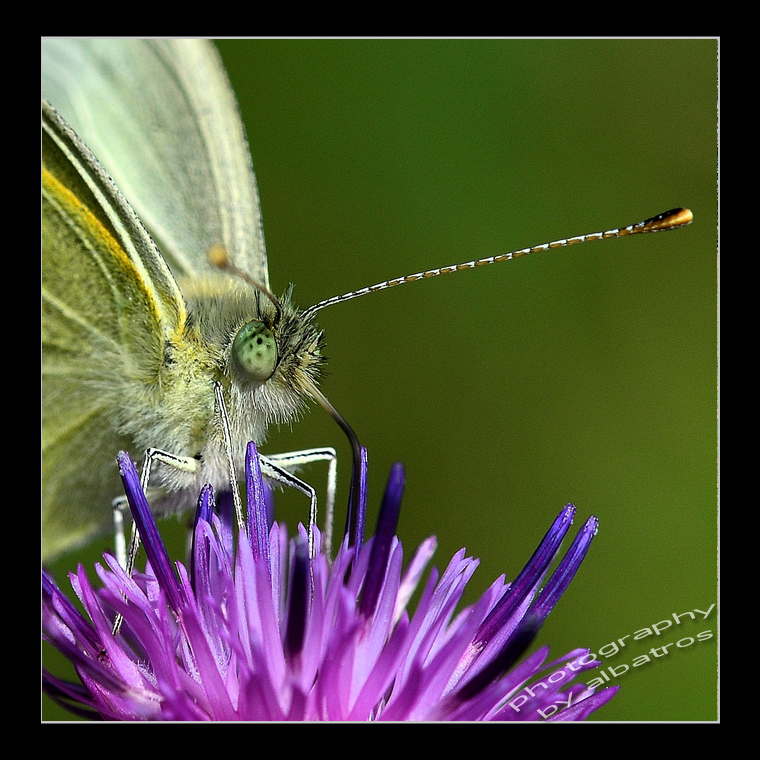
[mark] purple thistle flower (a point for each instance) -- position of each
(256, 629)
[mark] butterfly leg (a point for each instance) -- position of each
(293, 459)
(188, 464)
(120, 505)
(127, 557)
(277, 469)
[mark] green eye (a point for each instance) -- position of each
(254, 350)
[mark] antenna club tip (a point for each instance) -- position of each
(682, 216)
(218, 257)
(677, 217)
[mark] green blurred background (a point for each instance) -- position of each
(584, 375)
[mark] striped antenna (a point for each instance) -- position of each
(669, 220)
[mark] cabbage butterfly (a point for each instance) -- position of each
(135, 333)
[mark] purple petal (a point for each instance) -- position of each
(146, 525)
(258, 528)
(381, 545)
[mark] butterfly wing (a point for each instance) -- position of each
(109, 304)
(161, 117)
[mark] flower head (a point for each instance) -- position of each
(255, 628)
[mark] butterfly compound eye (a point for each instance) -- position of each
(254, 350)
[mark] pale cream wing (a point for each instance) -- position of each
(109, 304)
(161, 117)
